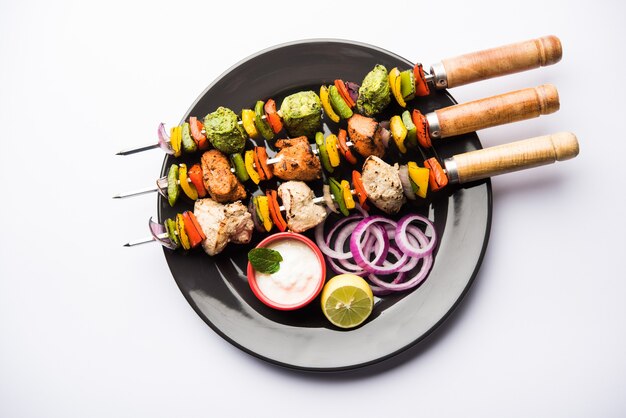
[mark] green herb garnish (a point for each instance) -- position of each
(265, 260)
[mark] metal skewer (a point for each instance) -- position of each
(146, 190)
(138, 149)
(316, 200)
(476, 66)
(152, 146)
(145, 240)
(487, 162)
(138, 192)
(430, 78)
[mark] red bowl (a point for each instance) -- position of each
(318, 288)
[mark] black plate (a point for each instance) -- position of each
(217, 288)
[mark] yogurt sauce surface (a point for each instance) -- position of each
(298, 277)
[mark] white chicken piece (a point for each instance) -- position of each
(382, 184)
(239, 224)
(301, 213)
(222, 224)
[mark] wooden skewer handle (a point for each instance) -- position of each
(515, 156)
(497, 110)
(503, 60)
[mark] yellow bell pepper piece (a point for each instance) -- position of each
(347, 194)
(180, 229)
(189, 189)
(399, 132)
(395, 83)
(247, 117)
(328, 108)
(419, 176)
(176, 140)
(332, 150)
(264, 208)
(249, 163)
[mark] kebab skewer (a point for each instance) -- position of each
(296, 159)
(370, 98)
(214, 225)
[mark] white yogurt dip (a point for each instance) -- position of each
(299, 275)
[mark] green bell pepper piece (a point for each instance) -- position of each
(236, 161)
(173, 190)
(338, 103)
(411, 135)
(335, 189)
(261, 124)
(189, 145)
(407, 84)
(170, 227)
(323, 152)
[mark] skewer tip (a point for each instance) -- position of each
(126, 245)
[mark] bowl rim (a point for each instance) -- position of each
(320, 258)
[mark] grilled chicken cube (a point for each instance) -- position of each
(301, 213)
(297, 161)
(366, 135)
(220, 182)
(239, 224)
(222, 224)
(382, 184)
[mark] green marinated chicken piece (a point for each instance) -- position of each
(224, 132)
(302, 113)
(374, 93)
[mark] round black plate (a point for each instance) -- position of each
(217, 288)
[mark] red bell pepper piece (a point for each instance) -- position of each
(272, 116)
(344, 148)
(277, 217)
(421, 127)
(261, 163)
(193, 229)
(343, 92)
(199, 138)
(421, 86)
(195, 175)
(357, 182)
(437, 178)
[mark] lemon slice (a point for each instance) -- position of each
(347, 300)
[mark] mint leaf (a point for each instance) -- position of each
(265, 260)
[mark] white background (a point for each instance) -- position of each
(91, 329)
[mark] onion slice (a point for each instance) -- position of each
(402, 240)
(353, 90)
(157, 230)
(164, 140)
(258, 224)
(385, 135)
(357, 250)
(322, 242)
(385, 252)
(403, 173)
(397, 285)
(328, 199)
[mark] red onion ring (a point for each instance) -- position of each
(157, 229)
(403, 173)
(164, 140)
(413, 281)
(403, 242)
(359, 256)
(370, 242)
(330, 204)
(375, 242)
(323, 243)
